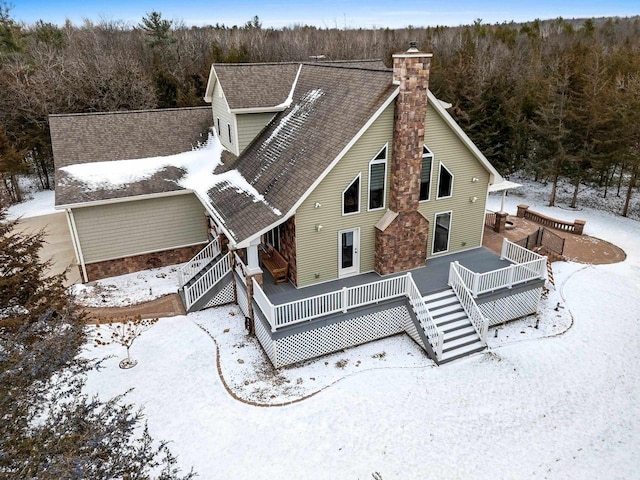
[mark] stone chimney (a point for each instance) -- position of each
(401, 234)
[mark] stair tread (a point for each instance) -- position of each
(435, 312)
(450, 318)
(455, 325)
(462, 351)
(460, 342)
(437, 295)
(444, 301)
(460, 332)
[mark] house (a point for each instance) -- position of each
(332, 187)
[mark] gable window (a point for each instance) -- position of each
(351, 197)
(378, 179)
(219, 131)
(445, 182)
(425, 175)
(441, 233)
(229, 132)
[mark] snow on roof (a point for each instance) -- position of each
(198, 165)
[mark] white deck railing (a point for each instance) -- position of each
(434, 334)
(469, 305)
(347, 298)
(241, 268)
(527, 266)
(195, 291)
(197, 263)
(517, 254)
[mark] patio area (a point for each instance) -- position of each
(430, 278)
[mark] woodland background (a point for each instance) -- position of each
(553, 99)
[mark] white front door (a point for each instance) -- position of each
(348, 252)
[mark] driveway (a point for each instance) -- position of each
(57, 247)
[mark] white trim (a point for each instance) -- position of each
(108, 201)
(209, 90)
(495, 177)
(279, 108)
(146, 252)
(433, 157)
(75, 240)
(441, 165)
(359, 178)
(412, 55)
(373, 161)
(355, 268)
(435, 226)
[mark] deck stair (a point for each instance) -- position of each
(207, 277)
(460, 337)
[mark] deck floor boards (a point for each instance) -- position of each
(430, 278)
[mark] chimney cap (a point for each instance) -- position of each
(413, 47)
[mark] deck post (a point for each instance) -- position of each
(476, 280)
(345, 299)
(510, 278)
(503, 251)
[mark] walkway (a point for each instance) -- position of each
(166, 306)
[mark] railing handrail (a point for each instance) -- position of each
(193, 266)
(431, 330)
(477, 319)
(516, 253)
(195, 291)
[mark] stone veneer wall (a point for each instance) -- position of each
(288, 247)
(402, 245)
(398, 251)
(122, 266)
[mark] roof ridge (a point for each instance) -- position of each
(251, 64)
(328, 65)
(121, 112)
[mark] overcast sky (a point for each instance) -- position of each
(328, 13)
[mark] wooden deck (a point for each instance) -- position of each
(430, 278)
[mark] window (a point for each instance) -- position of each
(351, 197)
(441, 232)
(219, 131)
(272, 237)
(378, 179)
(229, 132)
(445, 182)
(425, 175)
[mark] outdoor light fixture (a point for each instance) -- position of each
(473, 199)
(475, 179)
(318, 228)
(317, 205)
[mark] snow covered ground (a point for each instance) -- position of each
(128, 289)
(563, 406)
(36, 204)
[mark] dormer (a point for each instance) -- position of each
(245, 97)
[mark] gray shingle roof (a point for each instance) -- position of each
(331, 103)
(255, 85)
(97, 137)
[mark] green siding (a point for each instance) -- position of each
(221, 110)
(467, 219)
(249, 126)
(317, 252)
(123, 229)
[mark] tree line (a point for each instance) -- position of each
(557, 99)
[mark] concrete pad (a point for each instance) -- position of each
(57, 247)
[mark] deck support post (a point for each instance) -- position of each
(253, 270)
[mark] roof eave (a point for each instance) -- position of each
(108, 201)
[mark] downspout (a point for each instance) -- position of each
(75, 240)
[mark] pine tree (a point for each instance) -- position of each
(50, 428)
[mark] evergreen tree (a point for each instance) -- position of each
(50, 429)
